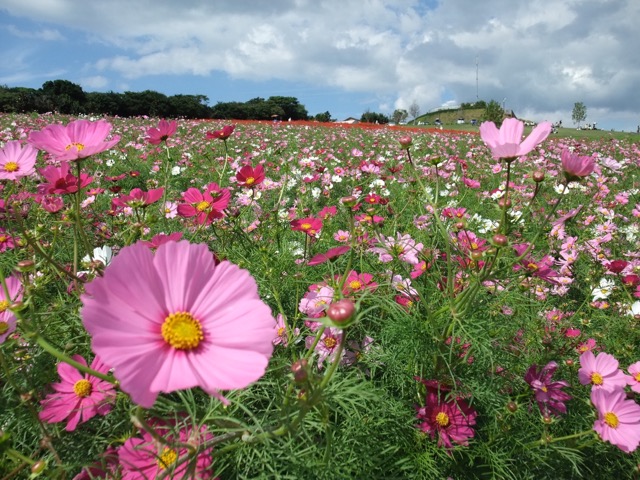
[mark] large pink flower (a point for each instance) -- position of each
(17, 161)
(507, 142)
(77, 140)
(618, 419)
(78, 397)
(175, 320)
(601, 372)
(205, 206)
(576, 166)
(156, 136)
(7, 318)
(142, 458)
(59, 180)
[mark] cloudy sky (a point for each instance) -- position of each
(538, 57)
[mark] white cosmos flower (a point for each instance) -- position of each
(102, 254)
(604, 290)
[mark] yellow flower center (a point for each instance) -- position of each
(3, 305)
(532, 266)
(4, 328)
(78, 146)
(3, 238)
(474, 246)
(442, 419)
(355, 285)
(167, 458)
(250, 181)
(182, 331)
(82, 388)
(202, 206)
(280, 331)
(305, 226)
(11, 167)
(611, 419)
(544, 389)
(330, 342)
(637, 377)
(596, 378)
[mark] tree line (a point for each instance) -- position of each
(66, 97)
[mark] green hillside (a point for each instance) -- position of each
(450, 116)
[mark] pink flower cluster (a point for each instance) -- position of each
(618, 416)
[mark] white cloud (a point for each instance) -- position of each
(46, 34)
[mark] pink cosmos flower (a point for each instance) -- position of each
(618, 419)
(174, 320)
(204, 206)
(507, 142)
(358, 282)
(327, 347)
(106, 467)
(315, 302)
(78, 397)
(311, 226)
(330, 254)
(60, 181)
(451, 420)
(634, 378)
(161, 239)
(403, 247)
(249, 176)
(282, 335)
(155, 136)
(575, 166)
(7, 242)
(221, 134)
(7, 318)
(601, 372)
(17, 161)
(549, 395)
(75, 141)
(146, 458)
(137, 198)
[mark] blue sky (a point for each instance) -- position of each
(538, 57)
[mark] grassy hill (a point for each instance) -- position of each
(450, 116)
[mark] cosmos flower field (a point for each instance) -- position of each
(197, 299)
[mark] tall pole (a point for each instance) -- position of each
(477, 97)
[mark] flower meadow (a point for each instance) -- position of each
(194, 299)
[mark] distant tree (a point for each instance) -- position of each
(374, 117)
(64, 96)
(291, 107)
(480, 104)
(414, 110)
(109, 103)
(493, 113)
(324, 117)
(399, 115)
(189, 106)
(579, 113)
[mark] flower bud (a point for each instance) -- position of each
(500, 240)
(512, 406)
(25, 265)
(341, 311)
(300, 371)
(349, 201)
(502, 203)
(405, 142)
(38, 467)
(538, 176)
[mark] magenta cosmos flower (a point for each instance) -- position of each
(575, 166)
(601, 372)
(156, 136)
(77, 140)
(78, 397)
(17, 161)
(204, 206)
(249, 176)
(59, 180)
(311, 226)
(174, 320)
(142, 458)
(221, 134)
(507, 142)
(7, 318)
(451, 420)
(634, 378)
(618, 419)
(549, 394)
